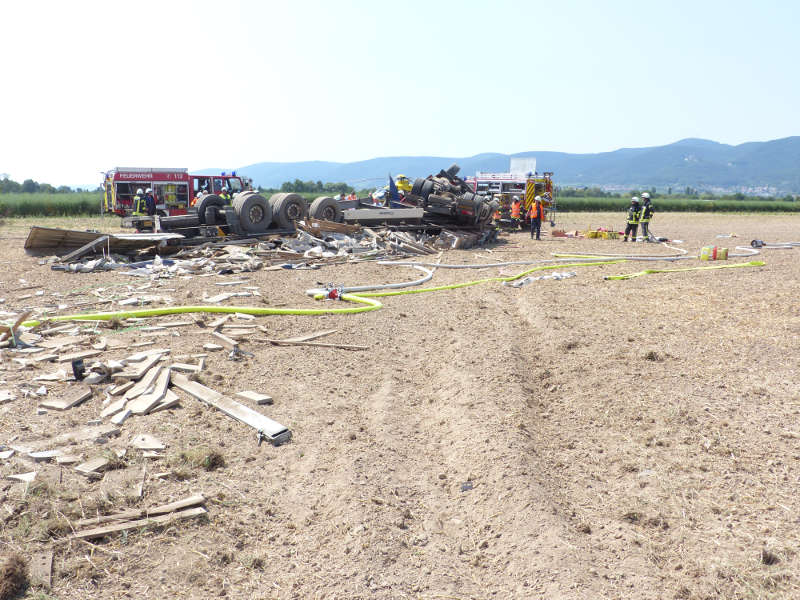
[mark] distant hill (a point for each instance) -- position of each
(771, 167)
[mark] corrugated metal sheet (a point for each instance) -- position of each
(64, 240)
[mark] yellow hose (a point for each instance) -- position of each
(752, 263)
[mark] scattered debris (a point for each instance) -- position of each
(75, 398)
(256, 397)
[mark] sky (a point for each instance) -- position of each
(87, 86)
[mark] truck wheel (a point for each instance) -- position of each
(416, 189)
(255, 213)
(453, 170)
(208, 201)
(287, 208)
(325, 208)
(426, 189)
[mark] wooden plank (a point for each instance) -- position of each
(120, 417)
(113, 408)
(146, 441)
(144, 384)
(122, 387)
(226, 341)
(74, 399)
(317, 344)
(64, 340)
(136, 372)
(41, 569)
(144, 403)
(274, 432)
(255, 397)
(85, 249)
(78, 355)
(6, 396)
(171, 399)
(161, 519)
(93, 465)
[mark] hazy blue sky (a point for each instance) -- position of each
(91, 85)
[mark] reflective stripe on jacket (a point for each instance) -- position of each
(139, 207)
(633, 216)
(516, 207)
(536, 211)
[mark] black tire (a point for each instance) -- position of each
(326, 209)
(287, 208)
(209, 201)
(255, 213)
(453, 170)
(426, 189)
(416, 189)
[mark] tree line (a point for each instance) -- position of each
(29, 186)
(689, 192)
(311, 187)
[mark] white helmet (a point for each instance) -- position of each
(139, 191)
(516, 198)
(538, 198)
(635, 200)
(645, 196)
(148, 191)
(224, 189)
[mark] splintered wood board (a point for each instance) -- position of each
(75, 398)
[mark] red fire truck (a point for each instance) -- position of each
(173, 189)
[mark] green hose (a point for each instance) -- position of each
(456, 286)
(752, 263)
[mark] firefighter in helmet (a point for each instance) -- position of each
(646, 215)
(633, 220)
(516, 212)
(149, 202)
(138, 204)
(226, 197)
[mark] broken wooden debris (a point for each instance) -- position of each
(226, 341)
(274, 432)
(317, 344)
(212, 347)
(78, 355)
(93, 466)
(157, 520)
(148, 400)
(121, 417)
(23, 477)
(256, 397)
(85, 249)
(75, 398)
(144, 384)
(6, 396)
(145, 441)
(40, 569)
(44, 455)
(170, 400)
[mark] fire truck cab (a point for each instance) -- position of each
(520, 182)
(173, 189)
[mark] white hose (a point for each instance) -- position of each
(386, 286)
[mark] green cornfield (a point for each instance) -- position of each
(678, 205)
(88, 203)
(50, 205)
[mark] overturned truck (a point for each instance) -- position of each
(435, 202)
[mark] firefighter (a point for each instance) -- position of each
(633, 220)
(139, 208)
(197, 198)
(226, 197)
(536, 214)
(516, 212)
(149, 202)
(646, 215)
(497, 215)
(352, 196)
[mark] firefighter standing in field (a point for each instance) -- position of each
(516, 212)
(149, 202)
(536, 214)
(646, 215)
(139, 208)
(633, 220)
